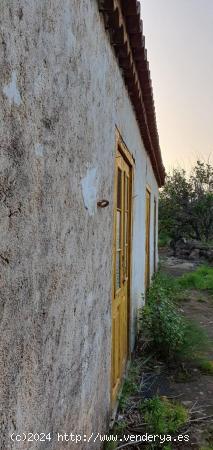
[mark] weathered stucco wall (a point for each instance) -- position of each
(61, 95)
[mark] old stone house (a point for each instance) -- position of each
(80, 168)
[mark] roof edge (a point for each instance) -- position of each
(123, 22)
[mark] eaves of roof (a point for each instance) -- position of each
(123, 22)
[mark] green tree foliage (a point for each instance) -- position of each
(186, 203)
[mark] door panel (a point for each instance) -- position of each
(121, 257)
(155, 234)
(147, 249)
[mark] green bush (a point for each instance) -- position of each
(161, 325)
(163, 240)
(202, 279)
(164, 328)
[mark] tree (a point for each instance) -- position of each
(186, 203)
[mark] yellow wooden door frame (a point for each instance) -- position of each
(155, 234)
(147, 237)
(121, 264)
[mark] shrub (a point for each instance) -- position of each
(164, 240)
(164, 328)
(161, 324)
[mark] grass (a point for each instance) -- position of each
(196, 342)
(119, 427)
(172, 337)
(163, 416)
(130, 386)
(129, 389)
(206, 366)
(110, 445)
(201, 279)
(159, 415)
(210, 447)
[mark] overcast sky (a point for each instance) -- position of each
(179, 40)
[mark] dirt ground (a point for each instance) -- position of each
(195, 389)
(185, 383)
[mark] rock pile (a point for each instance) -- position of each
(192, 250)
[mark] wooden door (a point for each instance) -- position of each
(147, 246)
(155, 234)
(121, 275)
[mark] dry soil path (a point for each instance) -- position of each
(195, 390)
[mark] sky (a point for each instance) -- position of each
(179, 42)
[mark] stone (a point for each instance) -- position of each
(194, 255)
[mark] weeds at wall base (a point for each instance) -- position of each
(165, 332)
(164, 329)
